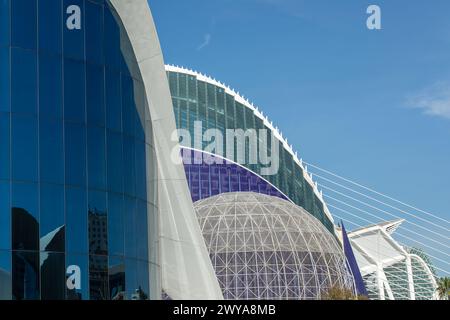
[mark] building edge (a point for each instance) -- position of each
(184, 265)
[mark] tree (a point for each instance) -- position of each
(339, 293)
(443, 288)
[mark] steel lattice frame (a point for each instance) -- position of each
(264, 247)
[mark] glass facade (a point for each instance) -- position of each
(197, 100)
(73, 154)
(267, 248)
(207, 180)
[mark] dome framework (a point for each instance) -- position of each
(264, 247)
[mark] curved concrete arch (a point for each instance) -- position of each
(186, 270)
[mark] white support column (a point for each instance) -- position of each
(412, 293)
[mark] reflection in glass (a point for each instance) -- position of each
(5, 275)
(5, 216)
(4, 146)
(25, 275)
(52, 275)
(117, 279)
(24, 213)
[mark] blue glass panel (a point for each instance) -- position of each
(5, 275)
(130, 228)
(24, 148)
(25, 275)
(53, 276)
(76, 221)
(98, 223)
(50, 26)
(23, 81)
(50, 86)
(95, 95)
(96, 158)
(5, 87)
(73, 38)
(52, 230)
(75, 154)
(4, 146)
(82, 262)
(115, 225)
(4, 23)
(5, 216)
(128, 106)
(115, 162)
(141, 230)
(129, 168)
(142, 279)
(74, 91)
(117, 278)
(94, 33)
(112, 42)
(113, 101)
(24, 217)
(98, 277)
(24, 23)
(51, 151)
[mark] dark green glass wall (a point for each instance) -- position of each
(196, 100)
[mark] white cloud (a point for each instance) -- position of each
(433, 101)
(205, 42)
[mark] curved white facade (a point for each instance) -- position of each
(186, 270)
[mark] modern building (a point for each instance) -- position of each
(391, 271)
(85, 179)
(200, 99)
(214, 174)
(266, 248)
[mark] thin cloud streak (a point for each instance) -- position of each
(433, 101)
(205, 43)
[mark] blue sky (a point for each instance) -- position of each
(354, 101)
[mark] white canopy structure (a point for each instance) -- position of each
(391, 271)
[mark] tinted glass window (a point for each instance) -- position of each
(25, 275)
(73, 36)
(24, 217)
(115, 225)
(23, 81)
(53, 274)
(94, 33)
(75, 154)
(76, 221)
(24, 23)
(95, 95)
(83, 263)
(51, 151)
(4, 22)
(50, 26)
(50, 86)
(24, 148)
(5, 278)
(115, 162)
(5, 216)
(4, 80)
(4, 146)
(113, 101)
(52, 231)
(74, 91)
(96, 158)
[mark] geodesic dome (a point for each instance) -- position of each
(263, 247)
